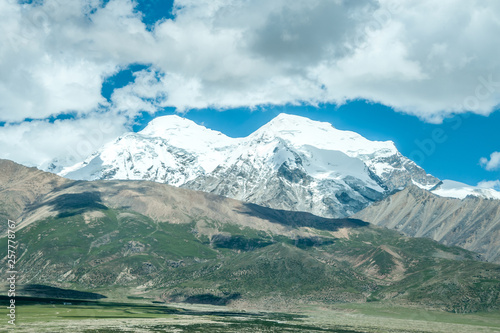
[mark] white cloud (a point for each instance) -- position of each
(72, 140)
(493, 163)
(427, 58)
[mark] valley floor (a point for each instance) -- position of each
(146, 317)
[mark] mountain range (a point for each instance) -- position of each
(290, 163)
(297, 164)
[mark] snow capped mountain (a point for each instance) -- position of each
(206, 144)
(136, 157)
(453, 189)
(170, 150)
(291, 163)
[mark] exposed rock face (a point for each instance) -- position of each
(399, 171)
(472, 223)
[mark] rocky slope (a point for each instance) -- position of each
(290, 163)
(21, 187)
(472, 223)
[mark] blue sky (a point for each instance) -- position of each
(395, 70)
(152, 11)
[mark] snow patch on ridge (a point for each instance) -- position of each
(424, 187)
(453, 189)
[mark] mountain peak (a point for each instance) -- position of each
(291, 119)
(285, 120)
(300, 131)
(184, 133)
(159, 125)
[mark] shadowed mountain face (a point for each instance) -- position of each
(176, 244)
(36, 290)
(301, 219)
(472, 223)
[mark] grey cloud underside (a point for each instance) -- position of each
(304, 34)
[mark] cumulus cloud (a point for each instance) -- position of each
(38, 142)
(427, 58)
(493, 163)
